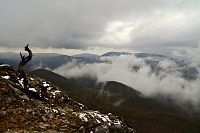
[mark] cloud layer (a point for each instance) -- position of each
(154, 25)
(168, 84)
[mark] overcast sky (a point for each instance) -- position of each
(96, 26)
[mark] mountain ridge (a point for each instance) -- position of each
(136, 109)
(43, 107)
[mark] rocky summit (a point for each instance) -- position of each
(43, 107)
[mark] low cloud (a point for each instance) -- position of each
(168, 82)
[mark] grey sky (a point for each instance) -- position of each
(152, 25)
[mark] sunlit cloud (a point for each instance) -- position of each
(117, 33)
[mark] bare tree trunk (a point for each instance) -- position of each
(24, 60)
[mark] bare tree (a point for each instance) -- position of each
(24, 60)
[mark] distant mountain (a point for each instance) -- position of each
(10, 58)
(86, 55)
(48, 60)
(9, 55)
(176, 65)
(53, 61)
(146, 114)
(146, 55)
(39, 60)
(115, 54)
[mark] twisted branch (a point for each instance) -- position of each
(24, 60)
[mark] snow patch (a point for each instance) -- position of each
(54, 92)
(45, 84)
(57, 91)
(21, 81)
(104, 118)
(31, 79)
(98, 117)
(3, 65)
(117, 122)
(33, 89)
(5, 77)
(82, 106)
(55, 111)
(83, 117)
(98, 121)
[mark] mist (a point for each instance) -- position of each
(136, 73)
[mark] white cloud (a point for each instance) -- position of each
(117, 33)
(169, 84)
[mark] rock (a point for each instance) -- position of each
(53, 111)
(29, 110)
(102, 129)
(44, 118)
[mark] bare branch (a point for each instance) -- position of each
(24, 60)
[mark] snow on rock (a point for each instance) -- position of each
(81, 105)
(45, 84)
(21, 81)
(98, 117)
(31, 79)
(54, 92)
(33, 89)
(101, 117)
(5, 77)
(117, 123)
(98, 121)
(57, 91)
(62, 113)
(55, 111)
(83, 117)
(3, 65)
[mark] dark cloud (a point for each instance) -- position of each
(73, 24)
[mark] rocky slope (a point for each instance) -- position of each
(45, 108)
(148, 115)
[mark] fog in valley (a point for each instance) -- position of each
(135, 72)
